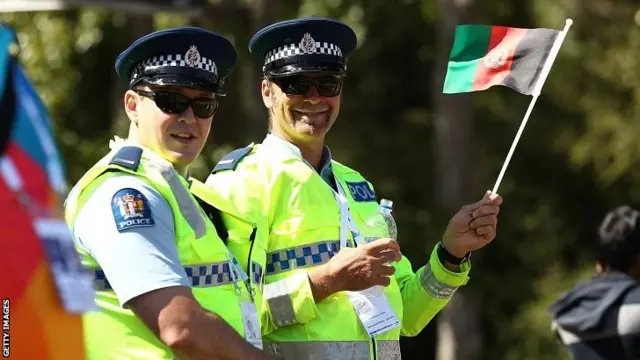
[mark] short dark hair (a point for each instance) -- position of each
(619, 239)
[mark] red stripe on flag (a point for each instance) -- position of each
(495, 66)
(20, 246)
(34, 177)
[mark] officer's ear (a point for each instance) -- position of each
(131, 100)
(267, 93)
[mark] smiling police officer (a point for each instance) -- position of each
(315, 208)
(166, 285)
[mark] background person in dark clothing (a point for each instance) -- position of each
(600, 319)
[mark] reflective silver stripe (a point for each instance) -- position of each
(317, 350)
(200, 276)
(434, 287)
(321, 350)
(301, 256)
(278, 297)
(388, 350)
(186, 203)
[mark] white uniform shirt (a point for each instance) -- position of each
(127, 227)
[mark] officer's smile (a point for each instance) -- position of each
(310, 113)
(315, 119)
(183, 137)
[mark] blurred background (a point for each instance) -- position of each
(429, 153)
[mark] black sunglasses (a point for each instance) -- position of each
(296, 85)
(175, 103)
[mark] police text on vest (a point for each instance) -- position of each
(134, 222)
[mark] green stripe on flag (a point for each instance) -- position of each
(470, 44)
(460, 76)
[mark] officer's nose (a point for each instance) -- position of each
(312, 95)
(187, 116)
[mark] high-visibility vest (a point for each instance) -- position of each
(115, 332)
(283, 194)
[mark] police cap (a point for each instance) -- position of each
(304, 45)
(184, 57)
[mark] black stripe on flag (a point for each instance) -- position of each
(528, 59)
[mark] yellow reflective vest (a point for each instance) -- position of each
(117, 333)
(289, 200)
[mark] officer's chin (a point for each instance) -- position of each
(183, 155)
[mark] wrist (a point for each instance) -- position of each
(323, 282)
(451, 254)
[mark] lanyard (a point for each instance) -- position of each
(239, 275)
(346, 220)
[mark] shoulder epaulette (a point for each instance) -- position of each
(128, 157)
(232, 159)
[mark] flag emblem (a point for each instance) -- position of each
(496, 58)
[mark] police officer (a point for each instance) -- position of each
(165, 283)
(329, 294)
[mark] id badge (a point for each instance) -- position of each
(73, 281)
(251, 325)
(374, 311)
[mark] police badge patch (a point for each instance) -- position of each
(307, 44)
(192, 56)
(130, 210)
(361, 192)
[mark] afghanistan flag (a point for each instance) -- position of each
(34, 323)
(483, 56)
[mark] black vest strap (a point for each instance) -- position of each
(216, 218)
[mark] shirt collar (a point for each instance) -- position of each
(278, 145)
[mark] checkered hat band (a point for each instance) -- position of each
(201, 275)
(172, 60)
(287, 51)
(301, 256)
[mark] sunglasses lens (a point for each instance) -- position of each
(299, 85)
(294, 85)
(204, 108)
(171, 103)
(329, 87)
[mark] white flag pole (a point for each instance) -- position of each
(536, 92)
